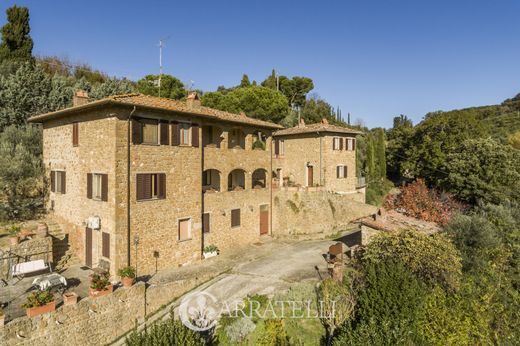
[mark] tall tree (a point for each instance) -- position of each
(380, 152)
(16, 43)
(171, 87)
(295, 89)
(244, 83)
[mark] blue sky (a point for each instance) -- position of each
(374, 59)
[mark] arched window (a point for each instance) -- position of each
(236, 180)
(211, 180)
(259, 178)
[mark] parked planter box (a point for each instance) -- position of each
(127, 282)
(31, 312)
(93, 293)
(210, 254)
(70, 298)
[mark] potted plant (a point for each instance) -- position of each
(99, 285)
(13, 234)
(127, 275)
(39, 302)
(210, 251)
(70, 298)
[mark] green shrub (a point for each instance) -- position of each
(240, 329)
(258, 144)
(127, 272)
(38, 298)
(99, 281)
(211, 248)
(274, 334)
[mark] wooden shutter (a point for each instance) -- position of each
(137, 132)
(353, 144)
(195, 135)
(184, 229)
(63, 182)
(105, 244)
(165, 136)
(89, 185)
(75, 134)
(143, 186)
(104, 187)
(175, 133)
(161, 185)
(337, 171)
(277, 147)
(53, 181)
(205, 222)
(345, 171)
(340, 143)
(235, 217)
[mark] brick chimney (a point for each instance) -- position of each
(80, 98)
(193, 100)
(302, 123)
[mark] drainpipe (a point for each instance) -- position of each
(271, 185)
(128, 233)
(321, 165)
(201, 143)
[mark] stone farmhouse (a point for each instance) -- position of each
(150, 182)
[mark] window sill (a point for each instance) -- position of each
(150, 199)
(151, 144)
(235, 227)
(183, 240)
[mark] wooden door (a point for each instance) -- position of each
(310, 177)
(88, 247)
(264, 219)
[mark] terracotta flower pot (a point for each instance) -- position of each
(13, 240)
(31, 312)
(127, 282)
(70, 298)
(93, 293)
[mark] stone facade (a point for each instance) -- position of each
(224, 175)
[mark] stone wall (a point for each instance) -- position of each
(27, 250)
(334, 158)
(315, 214)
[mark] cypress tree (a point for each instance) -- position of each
(244, 83)
(16, 43)
(380, 154)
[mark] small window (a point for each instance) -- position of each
(150, 131)
(97, 186)
(350, 144)
(341, 172)
(282, 147)
(75, 134)
(336, 144)
(151, 186)
(58, 182)
(206, 222)
(185, 133)
(235, 217)
(184, 229)
(105, 246)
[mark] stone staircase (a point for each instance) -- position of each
(63, 256)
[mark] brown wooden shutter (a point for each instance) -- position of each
(345, 171)
(89, 185)
(63, 182)
(75, 134)
(195, 135)
(141, 186)
(340, 143)
(353, 144)
(161, 188)
(104, 187)
(137, 132)
(235, 217)
(175, 133)
(277, 147)
(105, 242)
(205, 222)
(337, 172)
(165, 136)
(53, 181)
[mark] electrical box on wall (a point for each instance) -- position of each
(93, 222)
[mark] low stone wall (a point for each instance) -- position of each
(98, 321)
(315, 214)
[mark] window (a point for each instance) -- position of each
(185, 133)
(341, 172)
(350, 144)
(235, 217)
(75, 134)
(205, 222)
(58, 183)
(337, 143)
(151, 186)
(184, 229)
(97, 186)
(150, 131)
(279, 147)
(105, 245)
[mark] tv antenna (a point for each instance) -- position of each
(161, 45)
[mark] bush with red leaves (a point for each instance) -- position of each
(416, 200)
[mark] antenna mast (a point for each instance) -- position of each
(161, 45)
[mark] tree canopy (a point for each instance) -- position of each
(171, 87)
(16, 44)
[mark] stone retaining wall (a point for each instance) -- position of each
(27, 250)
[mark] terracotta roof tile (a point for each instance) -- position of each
(160, 103)
(314, 128)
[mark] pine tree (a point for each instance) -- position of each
(244, 83)
(16, 43)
